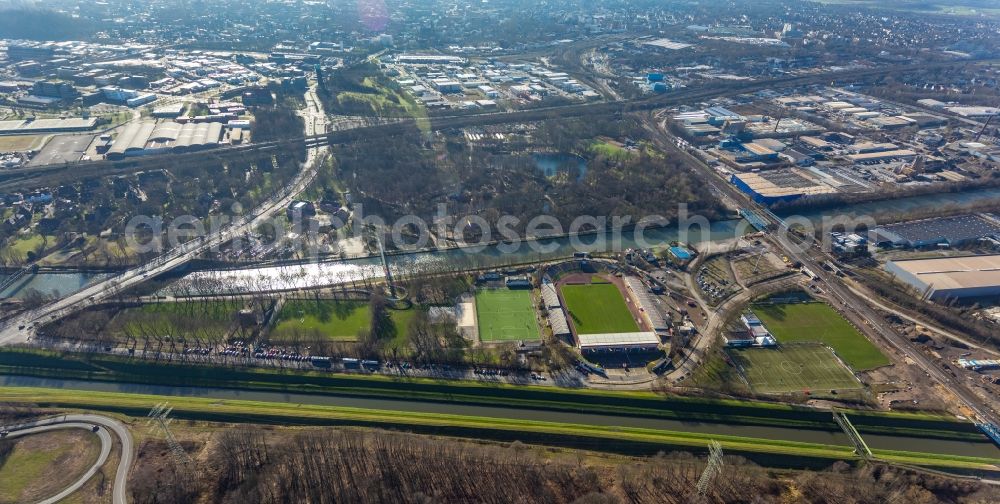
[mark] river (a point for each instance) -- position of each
(49, 284)
(332, 272)
(949, 447)
(489, 256)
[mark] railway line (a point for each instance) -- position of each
(53, 174)
(846, 300)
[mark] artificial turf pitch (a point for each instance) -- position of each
(793, 368)
(819, 323)
(505, 315)
(598, 309)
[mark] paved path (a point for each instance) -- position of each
(105, 426)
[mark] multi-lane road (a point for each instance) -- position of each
(105, 427)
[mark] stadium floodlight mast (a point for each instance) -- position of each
(713, 469)
(159, 416)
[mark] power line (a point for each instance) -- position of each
(159, 416)
(713, 469)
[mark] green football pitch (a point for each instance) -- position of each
(793, 368)
(506, 315)
(819, 323)
(598, 309)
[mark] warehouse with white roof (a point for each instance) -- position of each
(951, 277)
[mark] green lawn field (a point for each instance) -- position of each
(818, 322)
(598, 309)
(334, 320)
(174, 319)
(506, 315)
(794, 368)
(330, 320)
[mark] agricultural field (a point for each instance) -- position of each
(505, 315)
(598, 308)
(819, 323)
(794, 368)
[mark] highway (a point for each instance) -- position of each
(20, 328)
(105, 427)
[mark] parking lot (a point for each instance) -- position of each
(63, 149)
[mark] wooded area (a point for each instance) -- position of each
(345, 466)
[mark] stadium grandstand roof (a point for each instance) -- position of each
(550, 296)
(619, 340)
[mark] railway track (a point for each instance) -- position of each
(48, 175)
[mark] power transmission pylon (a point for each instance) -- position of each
(159, 416)
(713, 469)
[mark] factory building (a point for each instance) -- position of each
(429, 59)
(947, 231)
(753, 152)
(880, 156)
(778, 185)
(950, 277)
(31, 126)
(148, 137)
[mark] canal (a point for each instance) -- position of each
(985, 448)
(497, 255)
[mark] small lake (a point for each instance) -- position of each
(552, 163)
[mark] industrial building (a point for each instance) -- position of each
(948, 231)
(777, 185)
(880, 156)
(950, 277)
(664, 43)
(609, 342)
(147, 137)
(429, 59)
(66, 125)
